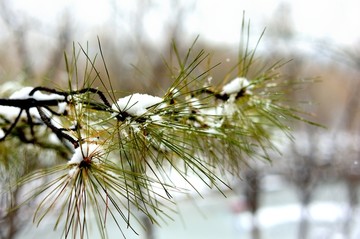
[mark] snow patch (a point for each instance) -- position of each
(86, 150)
(73, 171)
(235, 86)
(24, 93)
(136, 104)
(53, 139)
(62, 106)
(9, 113)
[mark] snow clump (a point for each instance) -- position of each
(85, 152)
(236, 85)
(136, 104)
(24, 93)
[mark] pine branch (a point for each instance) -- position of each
(125, 150)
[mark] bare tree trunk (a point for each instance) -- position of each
(303, 230)
(252, 191)
(351, 185)
(19, 31)
(10, 220)
(149, 228)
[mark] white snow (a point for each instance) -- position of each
(84, 151)
(213, 131)
(230, 107)
(325, 212)
(62, 107)
(89, 151)
(195, 102)
(235, 86)
(24, 92)
(8, 112)
(11, 112)
(73, 171)
(136, 104)
(156, 118)
(175, 92)
(53, 139)
(2, 133)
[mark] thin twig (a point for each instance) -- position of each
(55, 130)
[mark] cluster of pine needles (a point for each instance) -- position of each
(124, 163)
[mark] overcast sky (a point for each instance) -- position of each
(338, 20)
(313, 21)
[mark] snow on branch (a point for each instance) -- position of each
(136, 104)
(131, 148)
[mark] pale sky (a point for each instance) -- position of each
(338, 20)
(219, 21)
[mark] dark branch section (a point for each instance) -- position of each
(219, 96)
(24, 105)
(43, 107)
(29, 103)
(59, 133)
(12, 126)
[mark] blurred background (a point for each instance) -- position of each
(310, 191)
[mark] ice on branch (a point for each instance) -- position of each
(236, 85)
(136, 104)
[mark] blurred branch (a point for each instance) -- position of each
(65, 32)
(19, 30)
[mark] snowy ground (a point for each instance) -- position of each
(218, 217)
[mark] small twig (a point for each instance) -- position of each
(12, 126)
(74, 92)
(219, 96)
(95, 91)
(46, 89)
(30, 122)
(55, 130)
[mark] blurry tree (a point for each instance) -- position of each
(19, 64)
(347, 124)
(134, 52)
(18, 28)
(22, 31)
